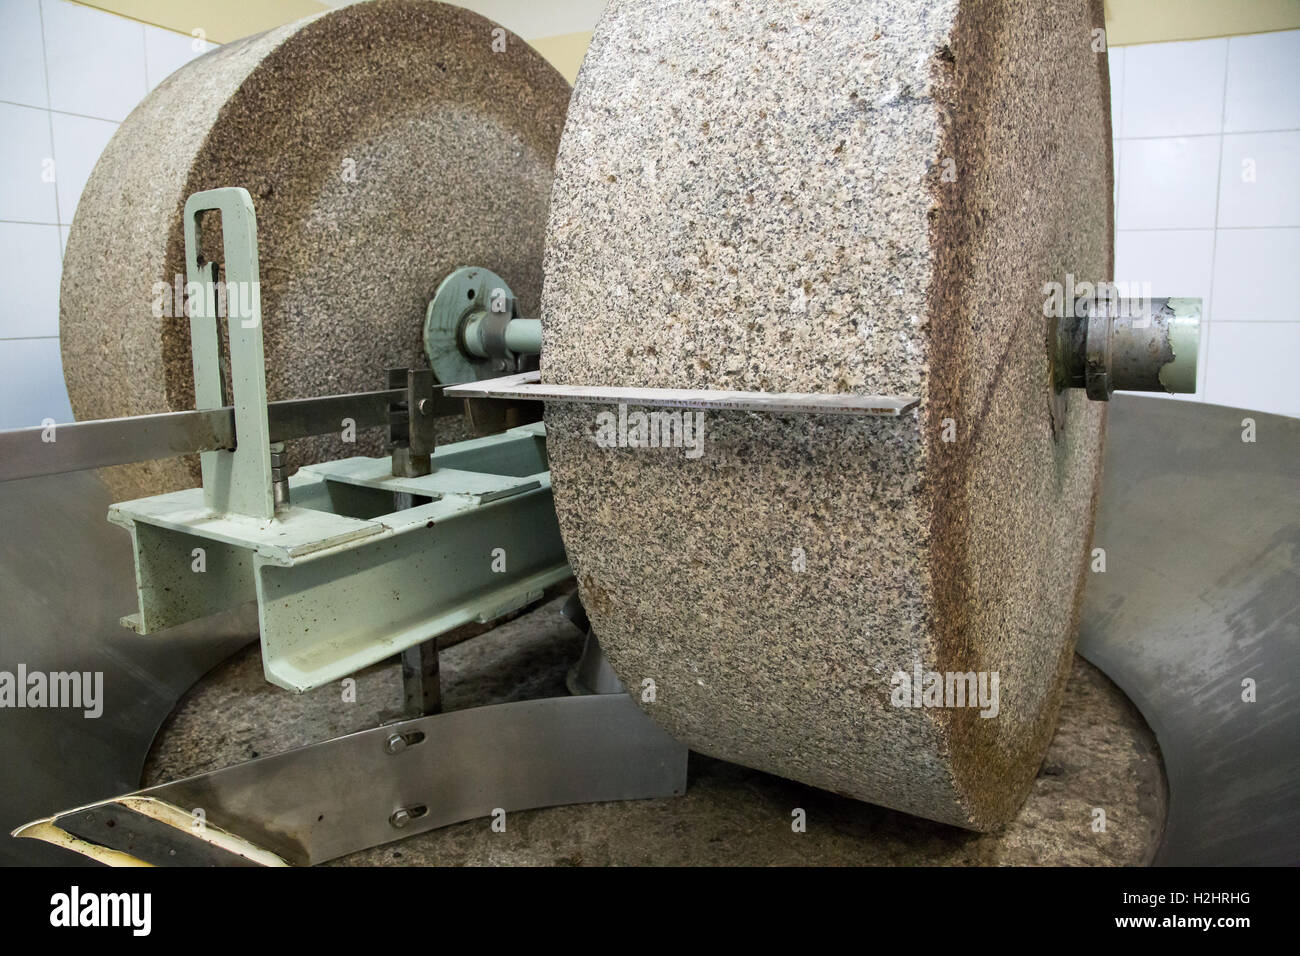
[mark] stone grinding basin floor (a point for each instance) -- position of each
(1103, 755)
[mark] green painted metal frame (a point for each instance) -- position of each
(340, 579)
(341, 576)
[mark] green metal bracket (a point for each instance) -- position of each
(240, 480)
(343, 577)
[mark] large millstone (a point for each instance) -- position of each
(835, 197)
(384, 145)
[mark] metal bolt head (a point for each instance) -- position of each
(395, 744)
(424, 406)
(400, 818)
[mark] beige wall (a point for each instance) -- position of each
(1127, 21)
(220, 20)
(1151, 21)
(565, 52)
(224, 20)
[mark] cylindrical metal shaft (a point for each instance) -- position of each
(1130, 345)
(1155, 349)
(522, 336)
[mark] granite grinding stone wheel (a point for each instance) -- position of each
(832, 196)
(384, 145)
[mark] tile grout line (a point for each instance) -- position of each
(44, 109)
(49, 117)
(28, 222)
(1117, 144)
(1218, 194)
(144, 58)
(1235, 132)
(1198, 228)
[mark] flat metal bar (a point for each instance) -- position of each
(31, 452)
(77, 446)
(527, 385)
(303, 417)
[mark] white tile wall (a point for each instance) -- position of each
(1263, 83)
(1254, 367)
(94, 60)
(30, 308)
(1173, 89)
(22, 57)
(32, 372)
(1257, 184)
(166, 52)
(1241, 257)
(1208, 200)
(1168, 183)
(78, 141)
(27, 166)
(1180, 259)
(69, 75)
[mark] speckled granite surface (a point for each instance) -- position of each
(752, 195)
(1102, 755)
(453, 147)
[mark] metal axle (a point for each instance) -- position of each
(1129, 345)
(1108, 344)
(521, 336)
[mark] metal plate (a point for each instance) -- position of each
(1201, 532)
(320, 802)
(65, 580)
